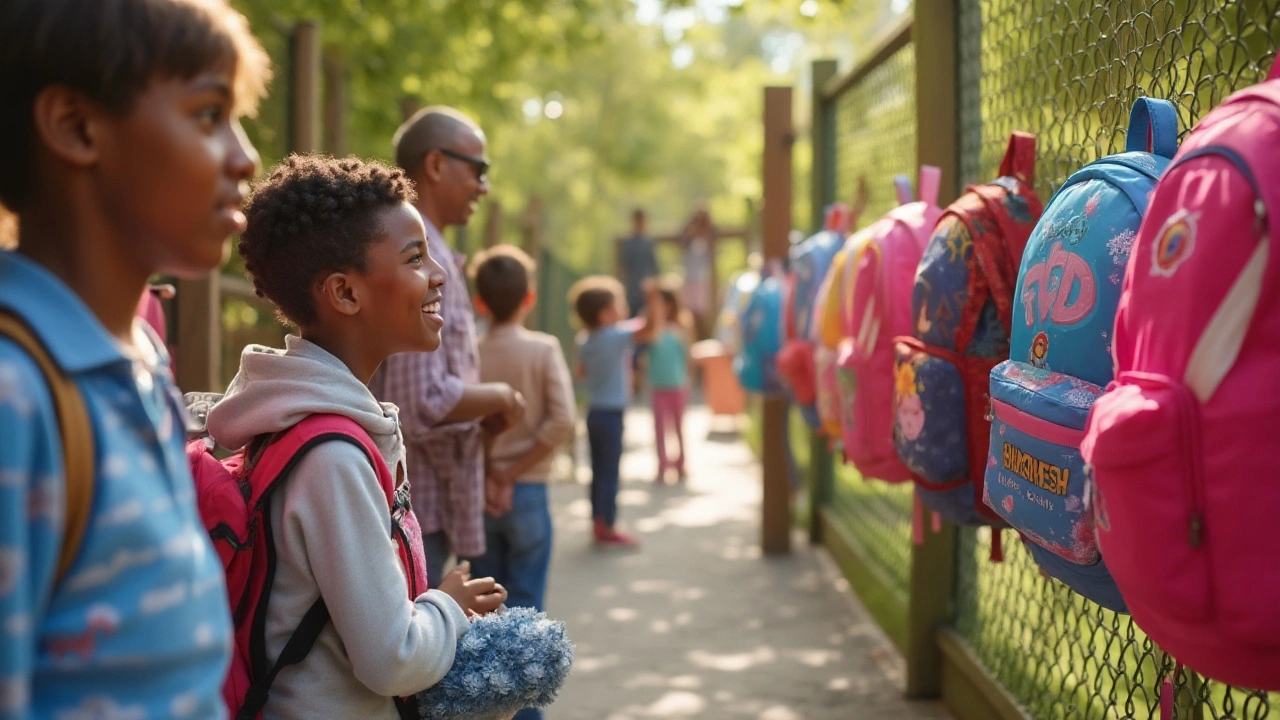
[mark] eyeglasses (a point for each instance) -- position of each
(481, 166)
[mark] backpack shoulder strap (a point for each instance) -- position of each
(76, 438)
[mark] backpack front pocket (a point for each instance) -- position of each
(1144, 448)
(1035, 476)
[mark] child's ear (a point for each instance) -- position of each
(479, 305)
(339, 292)
(67, 123)
(530, 299)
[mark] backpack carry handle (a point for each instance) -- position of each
(902, 185)
(1153, 128)
(1020, 158)
(930, 181)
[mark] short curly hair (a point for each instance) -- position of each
(310, 217)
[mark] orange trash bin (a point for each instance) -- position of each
(720, 386)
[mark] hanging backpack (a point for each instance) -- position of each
(962, 307)
(761, 336)
(1185, 487)
(880, 272)
(1060, 352)
(234, 499)
(810, 261)
(827, 330)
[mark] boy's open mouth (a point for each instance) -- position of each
(432, 308)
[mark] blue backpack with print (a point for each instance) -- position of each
(1060, 352)
(761, 337)
(810, 261)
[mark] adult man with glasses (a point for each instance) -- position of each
(444, 408)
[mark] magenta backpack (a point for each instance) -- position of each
(1182, 444)
(233, 497)
(877, 309)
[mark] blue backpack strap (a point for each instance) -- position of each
(1153, 128)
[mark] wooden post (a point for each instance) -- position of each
(304, 98)
(335, 106)
(822, 191)
(493, 224)
(933, 563)
(199, 351)
(778, 137)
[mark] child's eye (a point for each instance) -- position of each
(210, 116)
(416, 259)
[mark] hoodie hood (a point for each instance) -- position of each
(276, 389)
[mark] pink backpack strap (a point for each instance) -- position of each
(930, 182)
(287, 449)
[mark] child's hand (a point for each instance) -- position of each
(480, 596)
(649, 285)
(499, 493)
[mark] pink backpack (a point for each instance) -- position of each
(1185, 489)
(877, 309)
(233, 498)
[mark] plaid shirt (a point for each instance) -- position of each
(445, 461)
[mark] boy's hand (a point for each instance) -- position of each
(649, 285)
(499, 493)
(480, 596)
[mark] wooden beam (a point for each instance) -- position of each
(199, 337)
(493, 224)
(893, 40)
(335, 106)
(304, 98)
(778, 138)
(933, 562)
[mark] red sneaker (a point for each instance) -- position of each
(619, 539)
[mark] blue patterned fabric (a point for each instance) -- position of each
(139, 627)
(1060, 353)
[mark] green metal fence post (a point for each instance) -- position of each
(822, 190)
(933, 563)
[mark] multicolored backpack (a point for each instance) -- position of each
(1060, 352)
(1181, 445)
(234, 496)
(883, 267)
(810, 261)
(761, 336)
(962, 308)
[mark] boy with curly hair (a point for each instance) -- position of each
(603, 362)
(123, 157)
(338, 248)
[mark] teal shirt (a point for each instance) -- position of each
(668, 361)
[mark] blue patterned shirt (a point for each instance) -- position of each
(139, 627)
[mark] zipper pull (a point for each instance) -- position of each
(1196, 530)
(1259, 215)
(989, 414)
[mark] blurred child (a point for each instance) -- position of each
(603, 360)
(123, 157)
(669, 377)
(518, 529)
(338, 248)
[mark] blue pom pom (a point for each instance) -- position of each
(508, 661)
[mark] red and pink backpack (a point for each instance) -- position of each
(883, 267)
(233, 495)
(1181, 445)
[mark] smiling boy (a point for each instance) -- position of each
(123, 157)
(339, 249)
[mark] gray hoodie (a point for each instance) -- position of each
(332, 539)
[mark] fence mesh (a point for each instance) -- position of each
(876, 140)
(876, 132)
(1068, 71)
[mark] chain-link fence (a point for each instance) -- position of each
(1067, 71)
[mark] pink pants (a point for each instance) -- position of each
(668, 413)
